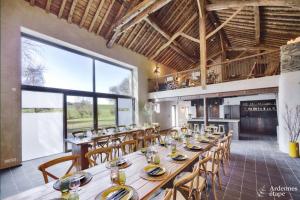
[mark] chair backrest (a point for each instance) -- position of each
(78, 133)
(157, 129)
(43, 167)
(94, 155)
(102, 141)
(216, 157)
(173, 132)
(189, 180)
(149, 131)
(149, 140)
(168, 194)
(203, 163)
(130, 145)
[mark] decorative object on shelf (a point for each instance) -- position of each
(292, 122)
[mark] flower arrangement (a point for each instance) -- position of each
(292, 122)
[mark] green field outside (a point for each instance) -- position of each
(81, 117)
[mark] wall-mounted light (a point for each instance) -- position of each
(156, 69)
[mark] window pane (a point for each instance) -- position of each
(112, 79)
(106, 112)
(42, 124)
(49, 66)
(79, 114)
(125, 111)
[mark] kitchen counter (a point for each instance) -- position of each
(229, 124)
(214, 120)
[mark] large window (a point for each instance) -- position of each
(113, 79)
(48, 66)
(92, 93)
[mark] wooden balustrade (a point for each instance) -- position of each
(259, 65)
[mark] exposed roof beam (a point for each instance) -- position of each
(174, 36)
(85, 13)
(105, 16)
(61, 9)
(138, 18)
(213, 19)
(48, 4)
(224, 23)
(168, 37)
(203, 50)
(237, 3)
(137, 35)
(96, 15)
(257, 24)
(190, 37)
(133, 13)
(72, 11)
(250, 48)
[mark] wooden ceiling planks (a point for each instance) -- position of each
(278, 24)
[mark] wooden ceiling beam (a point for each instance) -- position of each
(61, 9)
(96, 15)
(224, 23)
(48, 4)
(72, 11)
(105, 16)
(175, 46)
(174, 36)
(138, 18)
(257, 24)
(203, 50)
(250, 48)
(85, 13)
(133, 13)
(237, 3)
(190, 38)
(213, 19)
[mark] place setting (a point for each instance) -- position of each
(72, 182)
(153, 171)
(120, 162)
(119, 190)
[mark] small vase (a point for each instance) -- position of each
(294, 149)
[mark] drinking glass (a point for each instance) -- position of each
(114, 173)
(149, 155)
(74, 184)
(122, 177)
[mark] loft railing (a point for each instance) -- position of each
(259, 65)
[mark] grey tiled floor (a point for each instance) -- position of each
(256, 163)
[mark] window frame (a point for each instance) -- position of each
(69, 92)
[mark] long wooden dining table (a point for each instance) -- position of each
(101, 176)
(81, 146)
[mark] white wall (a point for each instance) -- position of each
(164, 116)
(289, 93)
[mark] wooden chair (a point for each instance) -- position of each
(94, 155)
(213, 168)
(79, 133)
(200, 183)
(102, 141)
(149, 140)
(130, 145)
(184, 187)
(43, 167)
(139, 137)
(173, 133)
(168, 194)
(224, 159)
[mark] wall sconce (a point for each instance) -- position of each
(156, 70)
